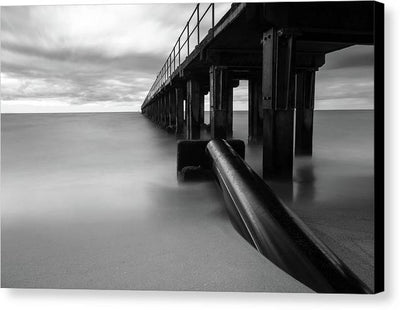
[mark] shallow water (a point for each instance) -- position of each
(332, 191)
(92, 201)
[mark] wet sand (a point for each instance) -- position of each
(92, 201)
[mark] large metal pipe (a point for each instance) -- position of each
(274, 230)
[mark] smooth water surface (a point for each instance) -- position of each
(92, 201)
(332, 191)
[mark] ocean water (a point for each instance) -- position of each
(333, 191)
(92, 201)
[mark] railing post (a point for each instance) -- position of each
(187, 39)
(198, 23)
(212, 16)
(174, 58)
(170, 64)
(179, 49)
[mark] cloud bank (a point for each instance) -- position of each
(106, 57)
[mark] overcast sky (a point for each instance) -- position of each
(106, 57)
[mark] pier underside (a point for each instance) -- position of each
(277, 47)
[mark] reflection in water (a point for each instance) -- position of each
(304, 179)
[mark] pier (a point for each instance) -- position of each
(282, 197)
(277, 48)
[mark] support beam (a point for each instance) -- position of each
(179, 110)
(255, 114)
(278, 88)
(193, 99)
(305, 88)
(221, 104)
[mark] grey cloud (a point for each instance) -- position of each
(47, 67)
(131, 61)
(81, 75)
(16, 19)
(87, 74)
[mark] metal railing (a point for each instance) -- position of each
(182, 48)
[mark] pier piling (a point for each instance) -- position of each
(277, 47)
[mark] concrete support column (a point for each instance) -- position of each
(193, 96)
(255, 114)
(221, 103)
(229, 118)
(305, 89)
(172, 108)
(201, 111)
(278, 90)
(161, 112)
(161, 109)
(179, 110)
(158, 110)
(278, 144)
(166, 110)
(186, 114)
(162, 116)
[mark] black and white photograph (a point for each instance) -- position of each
(213, 147)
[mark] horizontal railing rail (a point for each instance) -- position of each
(182, 47)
